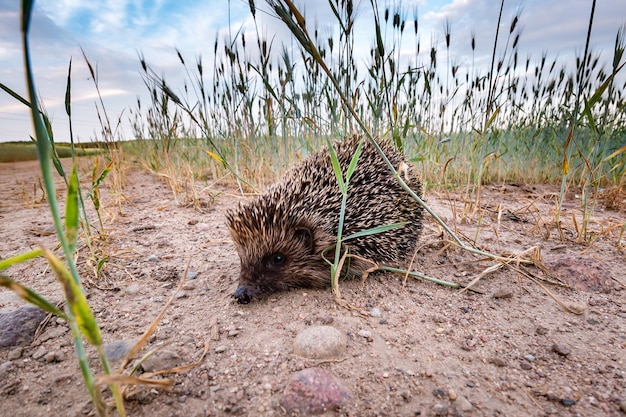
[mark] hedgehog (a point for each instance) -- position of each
(282, 236)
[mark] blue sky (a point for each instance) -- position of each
(113, 33)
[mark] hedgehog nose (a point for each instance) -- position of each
(242, 295)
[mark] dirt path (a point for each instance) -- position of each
(509, 350)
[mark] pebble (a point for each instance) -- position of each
(192, 274)
(6, 367)
(18, 325)
(440, 392)
(622, 405)
(220, 349)
(526, 366)
(40, 352)
(561, 349)
(153, 258)
(568, 402)
(118, 349)
(498, 362)
(529, 358)
(375, 312)
(366, 334)
(313, 391)
(133, 288)
(440, 410)
(161, 360)
(57, 356)
(181, 294)
(15, 353)
(320, 342)
(452, 394)
(463, 404)
(52, 333)
(503, 293)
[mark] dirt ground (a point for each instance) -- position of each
(506, 349)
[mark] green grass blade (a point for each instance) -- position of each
(13, 260)
(14, 95)
(336, 168)
(375, 230)
(76, 301)
(353, 162)
(31, 296)
(72, 210)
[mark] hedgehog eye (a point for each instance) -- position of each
(277, 259)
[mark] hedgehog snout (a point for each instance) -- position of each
(243, 295)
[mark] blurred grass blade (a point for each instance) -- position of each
(336, 167)
(71, 210)
(15, 95)
(354, 161)
(374, 230)
(76, 300)
(617, 152)
(13, 260)
(68, 90)
(31, 296)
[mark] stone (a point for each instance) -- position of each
(17, 326)
(313, 391)
(463, 404)
(118, 349)
(162, 360)
(320, 342)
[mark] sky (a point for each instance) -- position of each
(113, 34)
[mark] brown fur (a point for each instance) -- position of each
(280, 235)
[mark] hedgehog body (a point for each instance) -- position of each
(280, 235)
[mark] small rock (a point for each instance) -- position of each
(440, 392)
(320, 342)
(133, 288)
(452, 394)
(161, 360)
(365, 334)
(529, 357)
(503, 293)
(561, 349)
(375, 312)
(233, 333)
(568, 402)
(440, 410)
(6, 367)
(52, 333)
(526, 366)
(17, 326)
(192, 274)
(54, 357)
(189, 286)
(540, 330)
(153, 258)
(40, 352)
(15, 353)
(181, 294)
(584, 273)
(313, 391)
(203, 226)
(622, 405)
(498, 362)
(220, 349)
(462, 404)
(118, 349)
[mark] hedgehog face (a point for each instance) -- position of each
(272, 262)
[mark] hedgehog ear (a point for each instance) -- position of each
(305, 235)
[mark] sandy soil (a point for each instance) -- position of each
(507, 349)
